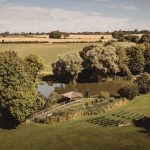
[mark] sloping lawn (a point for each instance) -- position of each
(81, 135)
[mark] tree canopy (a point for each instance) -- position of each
(136, 60)
(55, 34)
(34, 64)
(18, 95)
(102, 61)
(68, 66)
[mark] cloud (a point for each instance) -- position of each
(103, 0)
(39, 19)
(3, 1)
(125, 7)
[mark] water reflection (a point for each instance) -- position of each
(93, 88)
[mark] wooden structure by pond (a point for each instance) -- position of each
(72, 96)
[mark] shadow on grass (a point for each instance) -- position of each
(7, 121)
(143, 123)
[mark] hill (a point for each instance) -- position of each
(81, 135)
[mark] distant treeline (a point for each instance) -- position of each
(21, 42)
(136, 31)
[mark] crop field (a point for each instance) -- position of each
(72, 38)
(81, 134)
(49, 52)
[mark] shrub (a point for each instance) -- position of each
(53, 99)
(129, 91)
(143, 82)
(104, 94)
(102, 37)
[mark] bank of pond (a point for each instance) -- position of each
(112, 87)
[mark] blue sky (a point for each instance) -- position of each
(73, 15)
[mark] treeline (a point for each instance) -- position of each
(96, 62)
(22, 42)
(132, 37)
(136, 31)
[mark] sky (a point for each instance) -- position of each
(74, 15)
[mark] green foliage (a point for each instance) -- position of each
(53, 99)
(65, 35)
(145, 38)
(68, 67)
(17, 91)
(123, 63)
(117, 34)
(129, 91)
(55, 34)
(104, 94)
(132, 38)
(136, 60)
(143, 82)
(34, 64)
(101, 61)
(147, 59)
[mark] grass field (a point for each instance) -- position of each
(49, 52)
(80, 135)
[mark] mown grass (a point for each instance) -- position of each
(80, 135)
(49, 52)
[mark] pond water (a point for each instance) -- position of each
(93, 88)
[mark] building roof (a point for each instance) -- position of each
(72, 95)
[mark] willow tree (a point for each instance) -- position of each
(100, 61)
(68, 66)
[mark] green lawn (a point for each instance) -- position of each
(80, 135)
(49, 52)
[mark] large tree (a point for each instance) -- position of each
(68, 67)
(55, 34)
(101, 61)
(145, 38)
(136, 60)
(34, 64)
(123, 63)
(18, 96)
(147, 58)
(143, 82)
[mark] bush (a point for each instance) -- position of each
(53, 99)
(143, 83)
(104, 94)
(102, 37)
(129, 91)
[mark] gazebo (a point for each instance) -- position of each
(72, 96)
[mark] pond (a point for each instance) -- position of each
(93, 88)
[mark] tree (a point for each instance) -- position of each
(101, 61)
(118, 34)
(128, 90)
(147, 59)
(55, 34)
(34, 64)
(18, 96)
(65, 35)
(123, 63)
(143, 82)
(68, 67)
(145, 38)
(136, 60)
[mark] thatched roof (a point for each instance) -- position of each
(72, 95)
